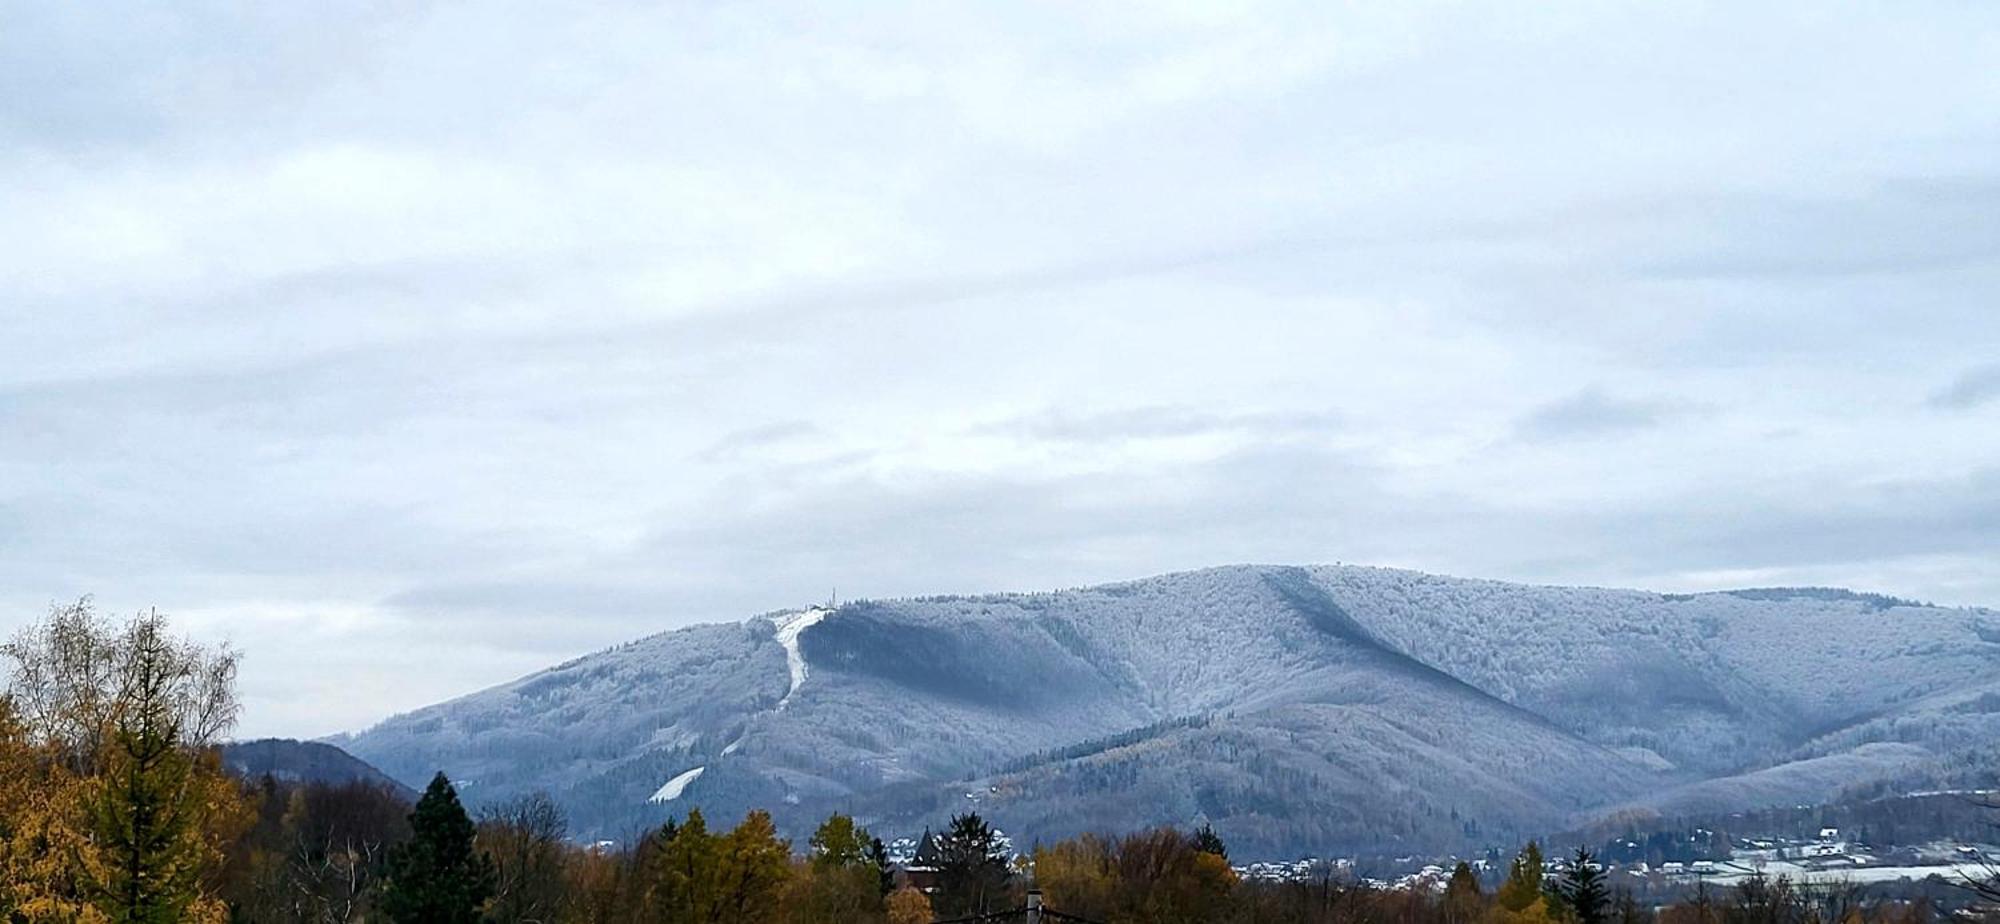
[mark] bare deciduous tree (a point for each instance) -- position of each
(73, 679)
(527, 838)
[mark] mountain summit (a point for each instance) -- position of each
(1297, 709)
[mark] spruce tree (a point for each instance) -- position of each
(1207, 841)
(438, 877)
(885, 871)
(972, 867)
(1583, 889)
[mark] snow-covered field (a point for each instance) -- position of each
(1860, 875)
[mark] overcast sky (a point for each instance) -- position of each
(411, 349)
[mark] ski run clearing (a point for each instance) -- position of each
(789, 627)
(676, 786)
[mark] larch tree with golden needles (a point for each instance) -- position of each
(1522, 898)
(841, 880)
(755, 873)
(134, 808)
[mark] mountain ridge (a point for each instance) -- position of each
(1341, 707)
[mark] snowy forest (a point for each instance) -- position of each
(1301, 710)
(116, 807)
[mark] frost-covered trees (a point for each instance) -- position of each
(1574, 698)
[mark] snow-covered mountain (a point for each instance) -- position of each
(1298, 709)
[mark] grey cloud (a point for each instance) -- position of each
(1592, 412)
(1901, 225)
(1270, 504)
(743, 443)
(882, 538)
(1160, 422)
(1973, 388)
(551, 613)
(1849, 525)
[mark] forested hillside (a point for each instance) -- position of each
(1297, 709)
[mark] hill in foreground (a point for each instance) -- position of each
(295, 761)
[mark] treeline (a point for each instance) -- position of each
(1667, 846)
(354, 852)
(1882, 823)
(114, 807)
(1103, 743)
(357, 852)
(1580, 892)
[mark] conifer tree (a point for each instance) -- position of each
(1583, 889)
(844, 874)
(683, 878)
(127, 808)
(885, 871)
(755, 869)
(151, 806)
(1462, 898)
(838, 843)
(149, 857)
(732, 878)
(438, 876)
(1207, 841)
(1524, 880)
(972, 867)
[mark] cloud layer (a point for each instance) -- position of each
(414, 347)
